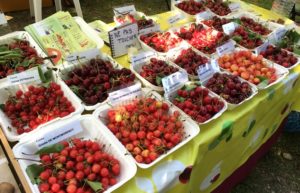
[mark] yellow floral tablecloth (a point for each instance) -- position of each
(223, 145)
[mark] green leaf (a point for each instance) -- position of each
(55, 148)
(96, 186)
(237, 38)
(33, 171)
(41, 74)
(264, 81)
(237, 20)
(296, 50)
(180, 99)
(158, 80)
(48, 75)
(226, 129)
(75, 89)
(189, 87)
(214, 144)
(2, 106)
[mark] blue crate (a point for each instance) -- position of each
(293, 122)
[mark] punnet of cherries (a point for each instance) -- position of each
(27, 109)
(146, 127)
(191, 7)
(196, 102)
(155, 70)
(246, 38)
(92, 81)
(254, 26)
(218, 7)
(76, 166)
(229, 87)
(216, 22)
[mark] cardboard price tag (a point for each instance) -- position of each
(142, 57)
(124, 10)
(225, 48)
(151, 29)
(207, 70)
(125, 94)
(261, 48)
(84, 55)
(205, 15)
(234, 6)
(174, 19)
(24, 77)
(175, 80)
(59, 134)
(229, 28)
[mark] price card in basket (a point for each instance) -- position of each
(59, 134)
(279, 33)
(225, 48)
(24, 77)
(142, 57)
(207, 70)
(151, 29)
(125, 94)
(175, 80)
(124, 9)
(229, 28)
(84, 55)
(234, 6)
(175, 18)
(261, 48)
(204, 15)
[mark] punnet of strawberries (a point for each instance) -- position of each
(75, 166)
(191, 7)
(27, 109)
(92, 81)
(17, 56)
(146, 127)
(196, 102)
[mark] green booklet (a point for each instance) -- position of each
(60, 35)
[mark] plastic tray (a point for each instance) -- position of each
(172, 56)
(137, 69)
(187, 15)
(231, 105)
(63, 73)
(8, 38)
(191, 128)
(232, 13)
(281, 72)
(92, 129)
(173, 94)
(5, 121)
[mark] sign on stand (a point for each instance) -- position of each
(234, 6)
(125, 94)
(122, 38)
(174, 81)
(175, 18)
(204, 15)
(229, 28)
(24, 77)
(150, 29)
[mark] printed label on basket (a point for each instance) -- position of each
(261, 48)
(147, 30)
(175, 80)
(279, 33)
(125, 94)
(124, 10)
(142, 57)
(234, 6)
(122, 38)
(225, 48)
(24, 77)
(229, 28)
(59, 134)
(84, 55)
(207, 70)
(2, 18)
(175, 18)
(205, 15)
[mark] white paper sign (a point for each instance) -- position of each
(205, 15)
(280, 32)
(142, 57)
(234, 6)
(125, 94)
(207, 70)
(151, 29)
(2, 18)
(175, 18)
(225, 48)
(84, 55)
(261, 48)
(229, 28)
(24, 77)
(122, 38)
(124, 10)
(175, 80)
(59, 134)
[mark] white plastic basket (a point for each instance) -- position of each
(5, 122)
(9, 38)
(231, 105)
(187, 15)
(190, 127)
(232, 13)
(170, 97)
(92, 129)
(62, 74)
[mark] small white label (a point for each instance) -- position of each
(261, 48)
(124, 10)
(24, 77)
(142, 57)
(175, 80)
(84, 55)
(225, 48)
(175, 18)
(207, 70)
(229, 28)
(279, 33)
(59, 134)
(125, 94)
(205, 15)
(234, 6)
(2, 18)
(150, 29)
